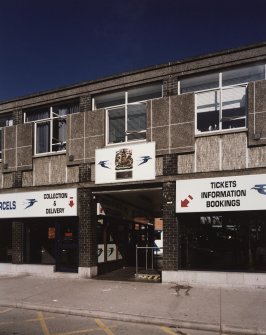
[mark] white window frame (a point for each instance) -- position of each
(51, 119)
(125, 105)
(10, 123)
(220, 88)
(109, 109)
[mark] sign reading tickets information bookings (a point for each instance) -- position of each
(61, 202)
(225, 194)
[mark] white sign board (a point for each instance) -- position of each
(101, 252)
(127, 162)
(50, 203)
(223, 194)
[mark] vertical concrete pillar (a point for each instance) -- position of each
(87, 233)
(170, 228)
(17, 242)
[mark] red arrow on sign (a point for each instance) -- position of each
(71, 202)
(185, 202)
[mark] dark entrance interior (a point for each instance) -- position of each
(67, 247)
(6, 242)
(126, 219)
(53, 242)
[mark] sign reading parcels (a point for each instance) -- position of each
(225, 194)
(61, 202)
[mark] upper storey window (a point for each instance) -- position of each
(5, 121)
(126, 112)
(50, 130)
(220, 98)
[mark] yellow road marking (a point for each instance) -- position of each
(103, 327)
(79, 331)
(44, 318)
(168, 330)
(45, 330)
(6, 310)
(21, 321)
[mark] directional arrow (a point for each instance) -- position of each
(185, 202)
(71, 202)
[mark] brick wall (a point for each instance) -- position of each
(170, 164)
(170, 234)
(84, 173)
(170, 86)
(85, 103)
(87, 231)
(17, 116)
(17, 242)
(17, 179)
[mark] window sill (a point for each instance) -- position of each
(222, 132)
(45, 154)
(119, 144)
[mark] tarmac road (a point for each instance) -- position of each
(235, 310)
(14, 321)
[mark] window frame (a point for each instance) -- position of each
(53, 117)
(126, 105)
(220, 110)
(10, 121)
(220, 89)
(126, 132)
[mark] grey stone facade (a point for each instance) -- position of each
(170, 124)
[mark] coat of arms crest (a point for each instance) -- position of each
(123, 159)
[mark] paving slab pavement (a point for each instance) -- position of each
(235, 310)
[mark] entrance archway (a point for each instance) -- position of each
(127, 218)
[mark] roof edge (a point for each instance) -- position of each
(132, 72)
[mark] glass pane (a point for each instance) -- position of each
(233, 241)
(145, 92)
(6, 120)
(42, 137)
(243, 75)
(116, 125)
(66, 109)
(68, 233)
(234, 97)
(40, 243)
(208, 105)
(59, 134)
(2, 121)
(39, 114)
(108, 100)
(136, 121)
(233, 107)
(199, 83)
